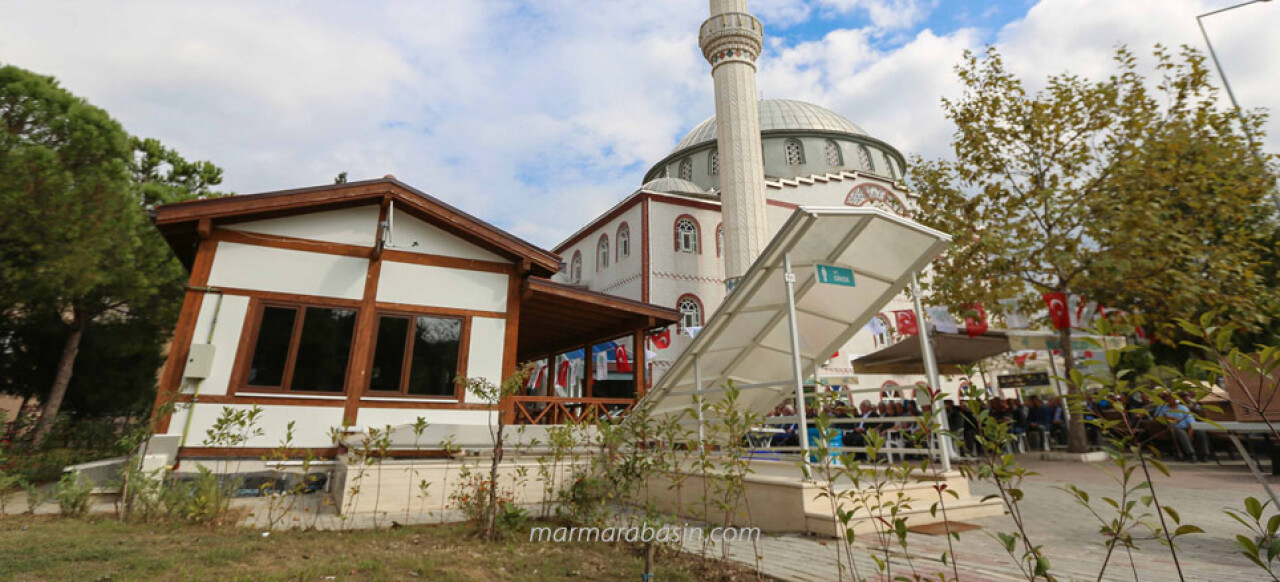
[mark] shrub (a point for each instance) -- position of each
(72, 494)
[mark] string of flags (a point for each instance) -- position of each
(1064, 311)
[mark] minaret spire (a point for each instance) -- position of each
(731, 41)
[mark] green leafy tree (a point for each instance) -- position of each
(76, 249)
(1050, 191)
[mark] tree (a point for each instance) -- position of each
(1047, 191)
(76, 249)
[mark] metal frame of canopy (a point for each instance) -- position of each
(775, 329)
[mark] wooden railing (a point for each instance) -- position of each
(558, 410)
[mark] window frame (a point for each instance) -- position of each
(702, 314)
(602, 253)
(697, 234)
(464, 345)
(686, 169)
(575, 267)
(253, 328)
(801, 158)
(622, 236)
(830, 146)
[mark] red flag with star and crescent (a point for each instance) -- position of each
(661, 340)
(907, 324)
(976, 324)
(1058, 312)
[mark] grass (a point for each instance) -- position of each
(44, 548)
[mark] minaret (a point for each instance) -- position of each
(731, 40)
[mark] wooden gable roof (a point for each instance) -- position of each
(179, 223)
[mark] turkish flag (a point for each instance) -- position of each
(907, 324)
(976, 325)
(562, 375)
(1021, 360)
(661, 340)
(620, 358)
(1058, 312)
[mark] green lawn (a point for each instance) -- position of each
(41, 548)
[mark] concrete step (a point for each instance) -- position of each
(826, 524)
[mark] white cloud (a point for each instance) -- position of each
(539, 115)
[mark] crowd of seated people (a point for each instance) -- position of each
(853, 423)
(1168, 422)
(1043, 421)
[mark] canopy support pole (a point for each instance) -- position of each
(697, 399)
(931, 371)
(790, 279)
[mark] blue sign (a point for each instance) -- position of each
(832, 275)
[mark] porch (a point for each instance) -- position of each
(587, 352)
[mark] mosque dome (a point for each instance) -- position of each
(799, 139)
(673, 186)
(780, 115)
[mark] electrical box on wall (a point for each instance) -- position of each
(199, 361)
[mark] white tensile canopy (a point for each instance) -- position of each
(747, 340)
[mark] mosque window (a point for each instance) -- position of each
(864, 159)
(687, 235)
(575, 267)
(834, 158)
(624, 241)
(719, 239)
(690, 311)
(602, 253)
(795, 153)
(686, 169)
(713, 163)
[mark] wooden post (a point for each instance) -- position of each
(638, 363)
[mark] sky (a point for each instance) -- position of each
(539, 115)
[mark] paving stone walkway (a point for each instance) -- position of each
(1067, 531)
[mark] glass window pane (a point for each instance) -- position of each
(272, 350)
(388, 353)
(434, 361)
(323, 349)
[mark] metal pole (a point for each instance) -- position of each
(931, 372)
(697, 398)
(790, 279)
(1217, 64)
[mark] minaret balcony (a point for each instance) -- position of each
(732, 35)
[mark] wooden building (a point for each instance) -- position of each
(357, 305)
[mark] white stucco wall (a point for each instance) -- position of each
(311, 428)
(287, 271)
(622, 277)
(442, 287)
(413, 235)
(230, 315)
(353, 226)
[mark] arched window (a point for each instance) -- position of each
(795, 153)
(690, 309)
(719, 239)
(602, 253)
(713, 162)
(686, 169)
(624, 241)
(864, 159)
(575, 267)
(687, 235)
(832, 150)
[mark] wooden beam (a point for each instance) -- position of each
(180, 343)
(361, 362)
